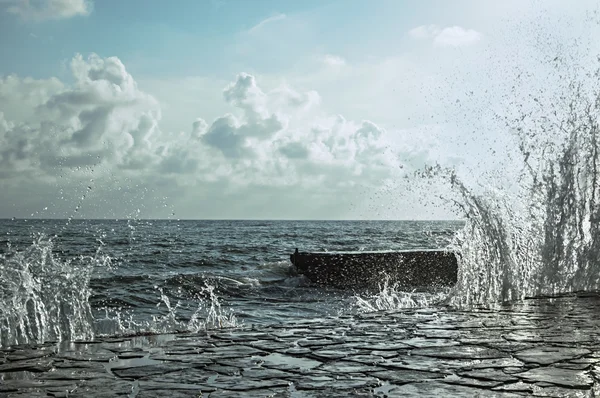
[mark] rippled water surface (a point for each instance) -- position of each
(79, 278)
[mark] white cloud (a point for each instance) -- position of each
(20, 97)
(334, 60)
(456, 36)
(104, 128)
(452, 36)
(103, 117)
(274, 18)
(271, 142)
(39, 10)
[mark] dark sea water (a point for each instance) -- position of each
(137, 276)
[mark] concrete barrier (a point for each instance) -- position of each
(418, 268)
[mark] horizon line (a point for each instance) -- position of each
(209, 219)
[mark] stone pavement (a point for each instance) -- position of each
(540, 347)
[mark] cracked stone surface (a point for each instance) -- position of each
(546, 347)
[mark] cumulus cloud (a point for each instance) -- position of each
(273, 142)
(246, 94)
(294, 150)
(103, 117)
(456, 36)
(224, 134)
(39, 10)
(286, 99)
(199, 128)
(20, 97)
(452, 36)
(232, 136)
(103, 127)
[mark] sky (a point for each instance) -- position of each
(265, 109)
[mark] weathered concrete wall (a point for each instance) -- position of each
(370, 269)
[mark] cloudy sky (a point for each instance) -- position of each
(262, 109)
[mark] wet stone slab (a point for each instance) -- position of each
(546, 355)
(538, 347)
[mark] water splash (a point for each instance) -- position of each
(540, 234)
(173, 318)
(208, 314)
(216, 317)
(391, 297)
(43, 298)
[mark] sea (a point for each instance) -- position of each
(78, 279)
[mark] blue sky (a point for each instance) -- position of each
(264, 109)
(181, 34)
(199, 37)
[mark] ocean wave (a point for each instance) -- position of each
(232, 284)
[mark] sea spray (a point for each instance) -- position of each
(44, 298)
(538, 234)
(172, 318)
(211, 316)
(393, 297)
(208, 314)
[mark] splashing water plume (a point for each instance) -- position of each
(539, 235)
(208, 315)
(391, 297)
(205, 317)
(44, 298)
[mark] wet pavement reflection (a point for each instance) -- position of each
(540, 346)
